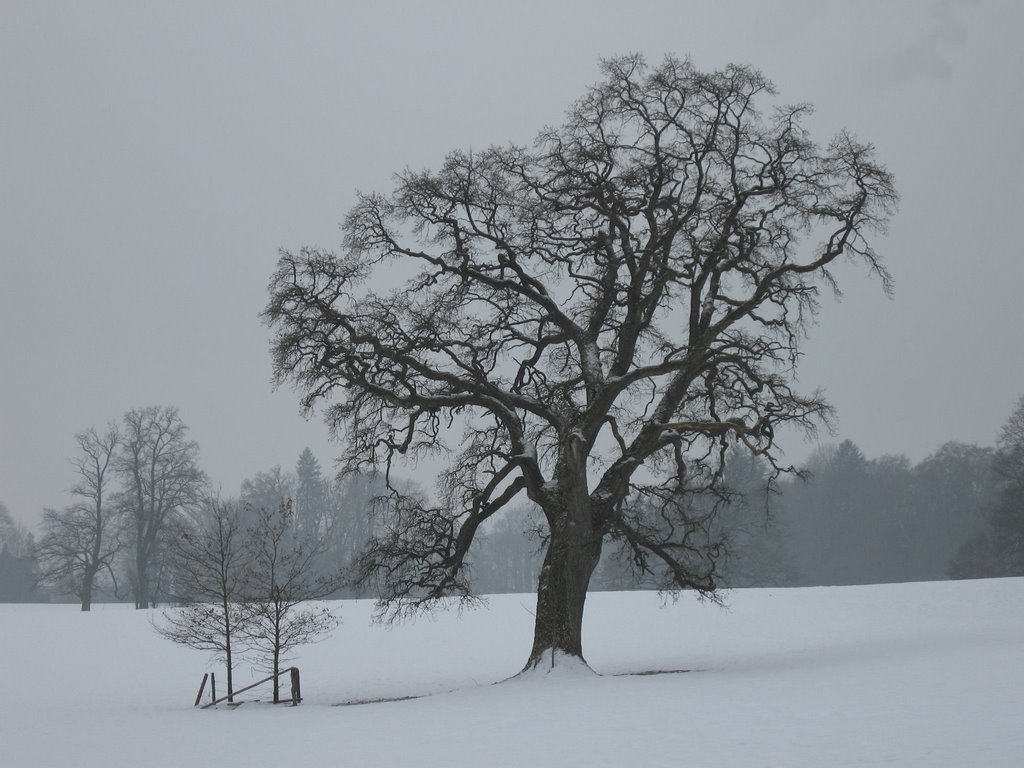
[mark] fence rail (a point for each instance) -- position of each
(296, 691)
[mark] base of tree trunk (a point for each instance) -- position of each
(555, 662)
(562, 584)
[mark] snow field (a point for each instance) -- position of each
(906, 675)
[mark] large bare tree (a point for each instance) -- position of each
(589, 322)
(82, 540)
(159, 470)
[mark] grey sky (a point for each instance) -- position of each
(154, 157)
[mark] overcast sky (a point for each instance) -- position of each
(154, 156)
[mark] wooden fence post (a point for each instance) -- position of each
(202, 687)
(213, 687)
(296, 690)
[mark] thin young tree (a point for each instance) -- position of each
(281, 575)
(590, 322)
(207, 561)
(83, 540)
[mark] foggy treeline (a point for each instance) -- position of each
(854, 520)
(138, 492)
(17, 559)
(850, 520)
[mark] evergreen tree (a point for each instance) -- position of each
(311, 501)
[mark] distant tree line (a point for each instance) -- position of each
(959, 513)
(139, 493)
(17, 560)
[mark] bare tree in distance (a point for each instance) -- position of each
(590, 322)
(267, 490)
(159, 468)
(280, 575)
(207, 561)
(340, 511)
(81, 541)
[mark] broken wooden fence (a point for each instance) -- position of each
(293, 672)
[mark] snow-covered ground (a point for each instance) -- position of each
(897, 675)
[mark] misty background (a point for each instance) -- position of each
(154, 157)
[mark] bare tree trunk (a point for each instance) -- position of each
(569, 562)
(142, 596)
(231, 684)
(277, 665)
(88, 577)
(226, 607)
(277, 654)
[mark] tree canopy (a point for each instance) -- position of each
(590, 322)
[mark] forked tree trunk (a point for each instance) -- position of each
(572, 555)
